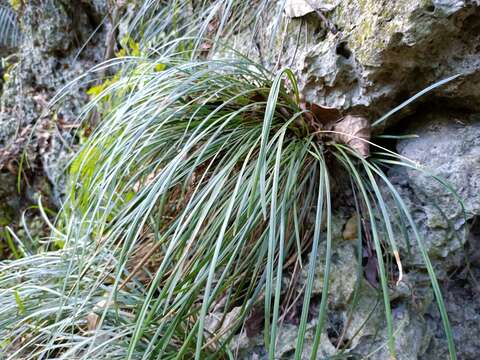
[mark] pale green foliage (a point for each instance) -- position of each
(9, 30)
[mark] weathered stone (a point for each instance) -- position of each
(373, 54)
(344, 270)
(448, 146)
(53, 52)
(9, 202)
(51, 55)
(463, 307)
(49, 26)
(387, 51)
(253, 348)
(298, 8)
(411, 336)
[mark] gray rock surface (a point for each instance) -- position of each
(368, 57)
(463, 307)
(386, 50)
(372, 54)
(56, 47)
(342, 284)
(448, 146)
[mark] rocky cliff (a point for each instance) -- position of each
(367, 57)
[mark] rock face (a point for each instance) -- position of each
(449, 146)
(50, 56)
(386, 50)
(367, 57)
(371, 54)
(56, 47)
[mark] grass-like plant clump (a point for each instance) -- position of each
(205, 183)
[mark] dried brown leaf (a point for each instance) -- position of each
(319, 117)
(254, 322)
(325, 115)
(351, 228)
(92, 321)
(354, 131)
(371, 271)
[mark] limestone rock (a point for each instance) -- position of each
(298, 8)
(344, 268)
(411, 336)
(463, 307)
(389, 50)
(253, 348)
(448, 145)
(373, 54)
(51, 54)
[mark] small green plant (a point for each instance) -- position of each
(16, 4)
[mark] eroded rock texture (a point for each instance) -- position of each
(372, 54)
(51, 55)
(368, 56)
(56, 47)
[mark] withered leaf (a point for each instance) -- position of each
(298, 8)
(351, 228)
(92, 321)
(371, 271)
(320, 117)
(325, 115)
(254, 322)
(212, 28)
(355, 132)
